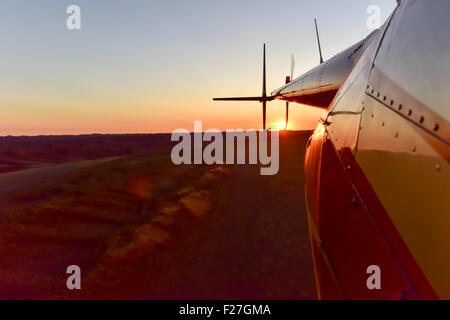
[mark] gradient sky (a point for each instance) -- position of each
(154, 65)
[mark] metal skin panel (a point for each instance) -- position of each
(341, 222)
(402, 169)
(377, 173)
(338, 220)
(416, 53)
(405, 131)
(345, 115)
(351, 237)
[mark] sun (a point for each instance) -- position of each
(281, 125)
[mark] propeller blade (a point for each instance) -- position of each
(264, 105)
(287, 115)
(238, 99)
(263, 99)
(259, 99)
(264, 93)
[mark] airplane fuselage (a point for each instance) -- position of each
(377, 166)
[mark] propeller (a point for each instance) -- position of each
(264, 93)
(263, 98)
(288, 80)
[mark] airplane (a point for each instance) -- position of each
(377, 175)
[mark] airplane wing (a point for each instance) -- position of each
(319, 86)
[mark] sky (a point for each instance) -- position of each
(143, 66)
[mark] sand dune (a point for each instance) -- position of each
(141, 227)
(22, 179)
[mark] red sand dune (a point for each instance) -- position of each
(141, 227)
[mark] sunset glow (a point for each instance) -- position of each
(154, 66)
(281, 125)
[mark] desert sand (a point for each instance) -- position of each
(142, 228)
